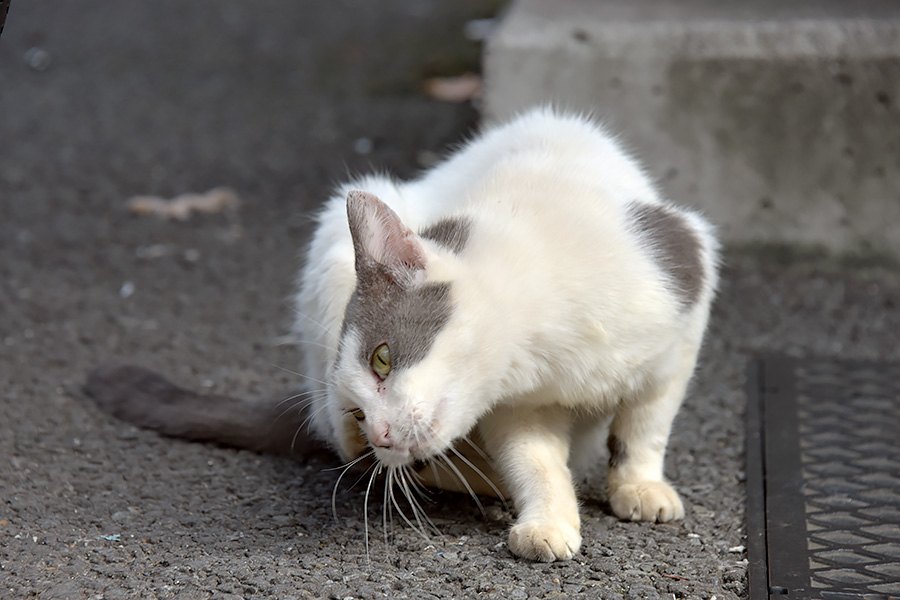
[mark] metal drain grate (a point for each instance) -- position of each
(823, 477)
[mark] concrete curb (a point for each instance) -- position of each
(782, 123)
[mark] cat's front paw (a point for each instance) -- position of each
(544, 540)
(646, 501)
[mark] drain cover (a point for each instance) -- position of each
(823, 480)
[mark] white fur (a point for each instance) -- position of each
(561, 316)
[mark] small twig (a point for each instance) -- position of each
(676, 577)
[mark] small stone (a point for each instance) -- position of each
(37, 59)
(363, 145)
(192, 255)
(120, 516)
(129, 433)
(151, 251)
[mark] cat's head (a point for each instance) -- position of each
(402, 382)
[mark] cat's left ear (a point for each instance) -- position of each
(379, 236)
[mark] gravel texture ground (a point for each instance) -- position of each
(102, 100)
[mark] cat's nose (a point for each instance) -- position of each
(381, 437)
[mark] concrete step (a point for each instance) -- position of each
(780, 120)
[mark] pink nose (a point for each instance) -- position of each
(380, 436)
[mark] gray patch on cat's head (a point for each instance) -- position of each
(404, 315)
(676, 247)
(451, 233)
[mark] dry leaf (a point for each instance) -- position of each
(454, 89)
(181, 207)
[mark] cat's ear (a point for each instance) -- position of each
(380, 237)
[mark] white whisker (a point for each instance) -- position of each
(286, 370)
(418, 511)
(479, 472)
(299, 407)
(337, 483)
(305, 421)
(375, 473)
(464, 481)
(436, 473)
(415, 481)
(385, 514)
(477, 449)
(349, 463)
(289, 341)
(305, 394)
(396, 504)
(313, 321)
(309, 419)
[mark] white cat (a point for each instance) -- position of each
(520, 293)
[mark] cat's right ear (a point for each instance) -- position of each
(380, 237)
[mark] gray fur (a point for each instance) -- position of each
(406, 317)
(618, 453)
(676, 246)
(451, 233)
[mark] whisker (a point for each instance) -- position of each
(305, 394)
(416, 481)
(385, 514)
(305, 421)
(400, 510)
(410, 484)
(436, 473)
(309, 419)
(298, 374)
(299, 406)
(477, 449)
(350, 463)
(361, 477)
(346, 469)
(416, 507)
(287, 340)
(464, 481)
(479, 472)
(313, 321)
(375, 473)
(404, 489)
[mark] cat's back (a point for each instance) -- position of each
(563, 191)
(540, 142)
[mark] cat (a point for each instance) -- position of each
(514, 300)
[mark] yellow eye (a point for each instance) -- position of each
(381, 361)
(358, 414)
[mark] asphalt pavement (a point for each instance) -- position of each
(104, 100)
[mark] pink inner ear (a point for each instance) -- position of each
(380, 236)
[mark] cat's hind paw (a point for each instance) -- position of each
(646, 501)
(544, 541)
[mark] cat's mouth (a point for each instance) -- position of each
(401, 456)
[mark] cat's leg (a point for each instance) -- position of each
(637, 442)
(530, 449)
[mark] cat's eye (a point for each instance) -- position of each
(358, 414)
(381, 361)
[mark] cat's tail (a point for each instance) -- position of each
(150, 401)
